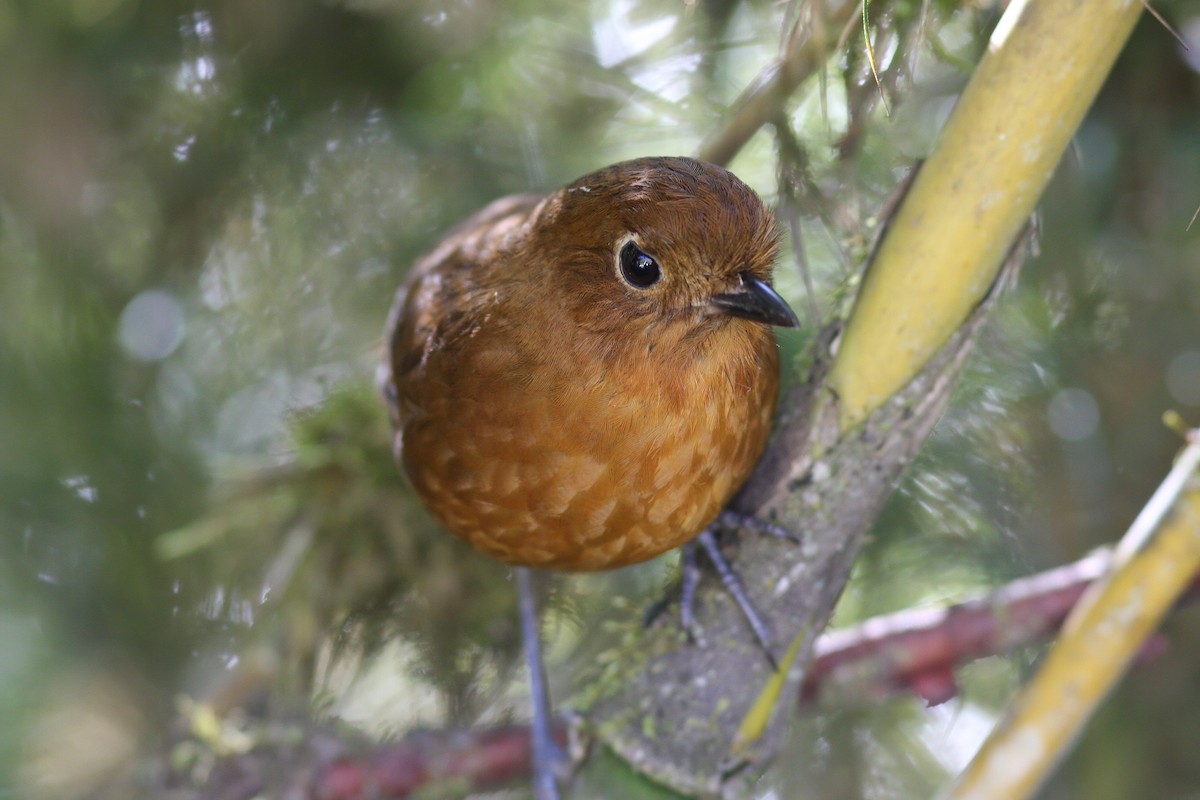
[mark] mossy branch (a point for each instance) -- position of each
(847, 434)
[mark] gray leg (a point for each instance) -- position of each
(547, 755)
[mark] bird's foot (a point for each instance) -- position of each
(707, 540)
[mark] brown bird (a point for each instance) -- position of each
(582, 381)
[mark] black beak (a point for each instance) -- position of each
(756, 301)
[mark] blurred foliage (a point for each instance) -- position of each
(205, 208)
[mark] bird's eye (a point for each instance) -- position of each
(639, 269)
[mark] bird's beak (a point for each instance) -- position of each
(756, 301)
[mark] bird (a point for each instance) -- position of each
(582, 380)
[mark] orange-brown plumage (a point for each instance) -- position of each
(552, 411)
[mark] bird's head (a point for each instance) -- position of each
(669, 248)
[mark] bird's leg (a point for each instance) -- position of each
(547, 757)
(689, 581)
(707, 540)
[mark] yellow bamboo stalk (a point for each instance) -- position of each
(1153, 565)
(1044, 65)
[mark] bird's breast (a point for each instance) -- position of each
(553, 457)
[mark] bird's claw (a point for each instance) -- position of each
(707, 540)
(731, 520)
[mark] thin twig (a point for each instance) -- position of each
(866, 28)
(766, 94)
(1152, 11)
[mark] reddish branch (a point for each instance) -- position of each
(914, 650)
(917, 650)
(478, 760)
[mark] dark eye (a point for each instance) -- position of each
(638, 268)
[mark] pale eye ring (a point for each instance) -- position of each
(638, 269)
